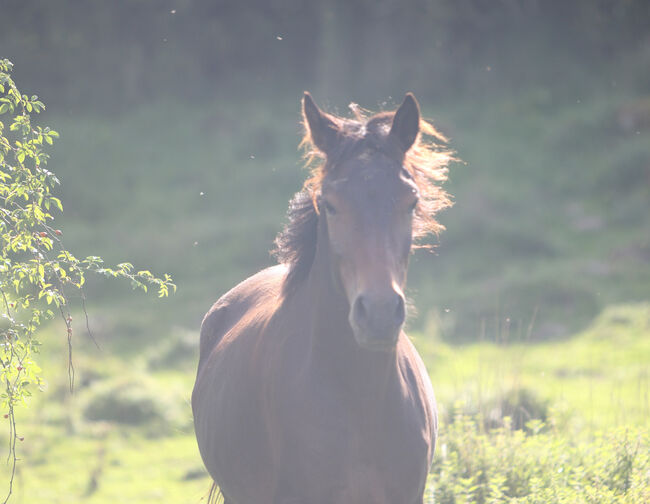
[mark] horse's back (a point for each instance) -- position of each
(255, 297)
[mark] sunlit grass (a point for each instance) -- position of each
(119, 466)
(600, 377)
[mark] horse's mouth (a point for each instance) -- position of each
(382, 342)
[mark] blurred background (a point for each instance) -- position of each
(180, 124)
(180, 120)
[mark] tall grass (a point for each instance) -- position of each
(545, 466)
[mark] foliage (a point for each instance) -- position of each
(37, 273)
(510, 466)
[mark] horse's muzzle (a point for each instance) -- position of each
(378, 319)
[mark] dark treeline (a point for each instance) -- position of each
(107, 54)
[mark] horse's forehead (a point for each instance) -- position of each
(370, 171)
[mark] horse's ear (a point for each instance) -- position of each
(322, 129)
(406, 123)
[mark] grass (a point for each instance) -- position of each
(117, 467)
(598, 378)
(592, 394)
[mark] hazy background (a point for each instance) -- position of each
(179, 124)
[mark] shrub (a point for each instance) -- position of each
(515, 407)
(132, 400)
(505, 465)
(37, 273)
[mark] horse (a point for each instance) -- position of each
(308, 390)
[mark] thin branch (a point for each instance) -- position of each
(7, 305)
(67, 319)
(90, 333)
(12, 458)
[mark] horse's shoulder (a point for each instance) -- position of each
(416, 376)
(252, 295)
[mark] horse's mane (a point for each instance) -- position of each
(427, 162)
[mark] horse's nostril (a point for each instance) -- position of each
(400, 310)
(360, 309)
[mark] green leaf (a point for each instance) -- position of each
(57, 202)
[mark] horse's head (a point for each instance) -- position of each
(368, 201)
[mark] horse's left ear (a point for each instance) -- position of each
(406, 123)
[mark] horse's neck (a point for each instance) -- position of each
(333, 350)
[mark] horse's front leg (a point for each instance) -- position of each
(420, 499)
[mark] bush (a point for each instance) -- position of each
(180, 350)
(514, 408)
(133, 401)
(507, 465)
(37, 273)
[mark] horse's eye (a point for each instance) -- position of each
(329, 208)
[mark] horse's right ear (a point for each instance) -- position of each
(406, 123)
(322, 128)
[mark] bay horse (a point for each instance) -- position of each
(308, 390)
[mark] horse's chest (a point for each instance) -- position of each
(349, 453)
